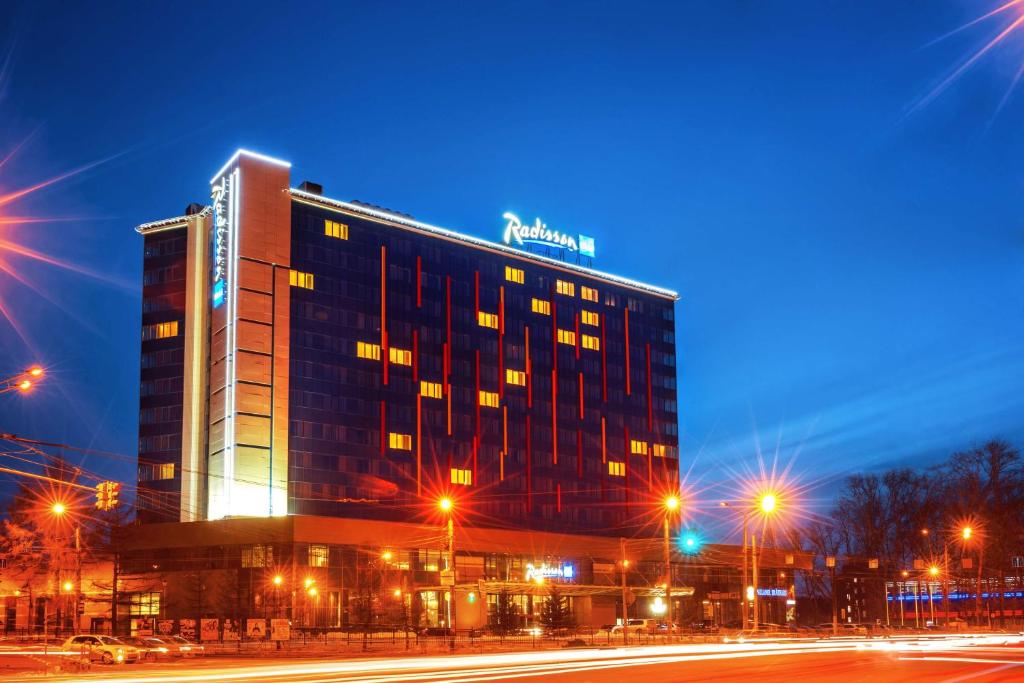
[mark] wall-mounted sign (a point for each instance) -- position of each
(222, 221)
(517, 234)
(773, 592)
(545, 571)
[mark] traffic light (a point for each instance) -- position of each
(106, 495)
(690, 542)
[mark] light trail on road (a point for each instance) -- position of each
(491, 667)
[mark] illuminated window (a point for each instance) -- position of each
(430, 389)
(517, 377)
(297, 278)
(616, 469)
(591, 342)
(318, 556)
(563, 287)
(489, 399)
(658, 449)
(399, 356)
(163, 471)
(567, 337)
(257, 555)
(401, 442)
(368, 351)
(541, 306)
(462, 477)
(144, 604)
(487, 320)
(160, 330)
(590, 318)
(638, 447)
(588, 293)
(334, 229)
(514, 275)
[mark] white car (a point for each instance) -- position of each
(106, 649)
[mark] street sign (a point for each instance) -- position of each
(448, 577)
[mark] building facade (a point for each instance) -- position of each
(303, 355)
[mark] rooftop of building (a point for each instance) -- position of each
(406, 222)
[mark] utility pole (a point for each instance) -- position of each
(668, 574)
(945, 582)
(743, 589)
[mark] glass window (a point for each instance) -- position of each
(616, 469)
(591, 342)
(462, 477)
(297, 278)
(487, 320)
(144, 604)
(489, 399)
(430, 389)
(540, 306)
(514, 275)
(318, 556)
(638, 447)
(588, 293)
(567, 337)
(368, 351)
(399, 356)
(590, 318)
(336, 230)
(402, 442)
(566, 288)
(516, 377)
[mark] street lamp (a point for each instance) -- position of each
(58, 508)
(766, 504)
(23, 381)
(671, 506)
(447, 506)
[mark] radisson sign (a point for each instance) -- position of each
(222, 218)
(517, 234)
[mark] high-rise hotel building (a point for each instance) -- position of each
(303, 355)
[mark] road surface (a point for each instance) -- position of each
(966, 658)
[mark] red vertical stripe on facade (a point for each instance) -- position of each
(448, 329)
(626, 334)
(558, 497)
(383, 427)
(529, 372)
(604, 442)
(650, 404)
(501, 342)
(577, 337)
(419, 281)
(476, 449)
(581, 395)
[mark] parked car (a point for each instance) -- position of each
(106, 649)
(637, 626)
(436, 632)
(183, 647)
(149, 647)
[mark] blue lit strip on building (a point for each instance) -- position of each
(937, 595)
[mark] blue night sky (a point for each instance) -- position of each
(851, 265)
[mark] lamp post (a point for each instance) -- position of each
(671, 507)
(447, 506)
(625, 604)
(23, 381)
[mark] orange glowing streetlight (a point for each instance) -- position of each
(58, 508)
(933, 570)
(68, 586)
(278, 579)
(386, 556)
(966, 532)
(768, 503)
(445, 504)
(35, 371)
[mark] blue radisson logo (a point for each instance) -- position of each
(539, 233)
(221, 222)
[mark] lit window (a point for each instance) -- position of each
(368, 351)
(462, 477)
(541, 306)
(430, 389)
(517, 377)
(160, 330)
(399, 356)
(588, 293)
(566, 288)
(334, 229)
(638, 447)
(514, 275)
(658, 449)
(257, 555)
(487, 320)
(591, 342)
(616, 469)
(401, 442)
(144, 604)
(297, 278)
(489, 399)
(163, 471)
(318, 556)
(590, 318)
(567, 337)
